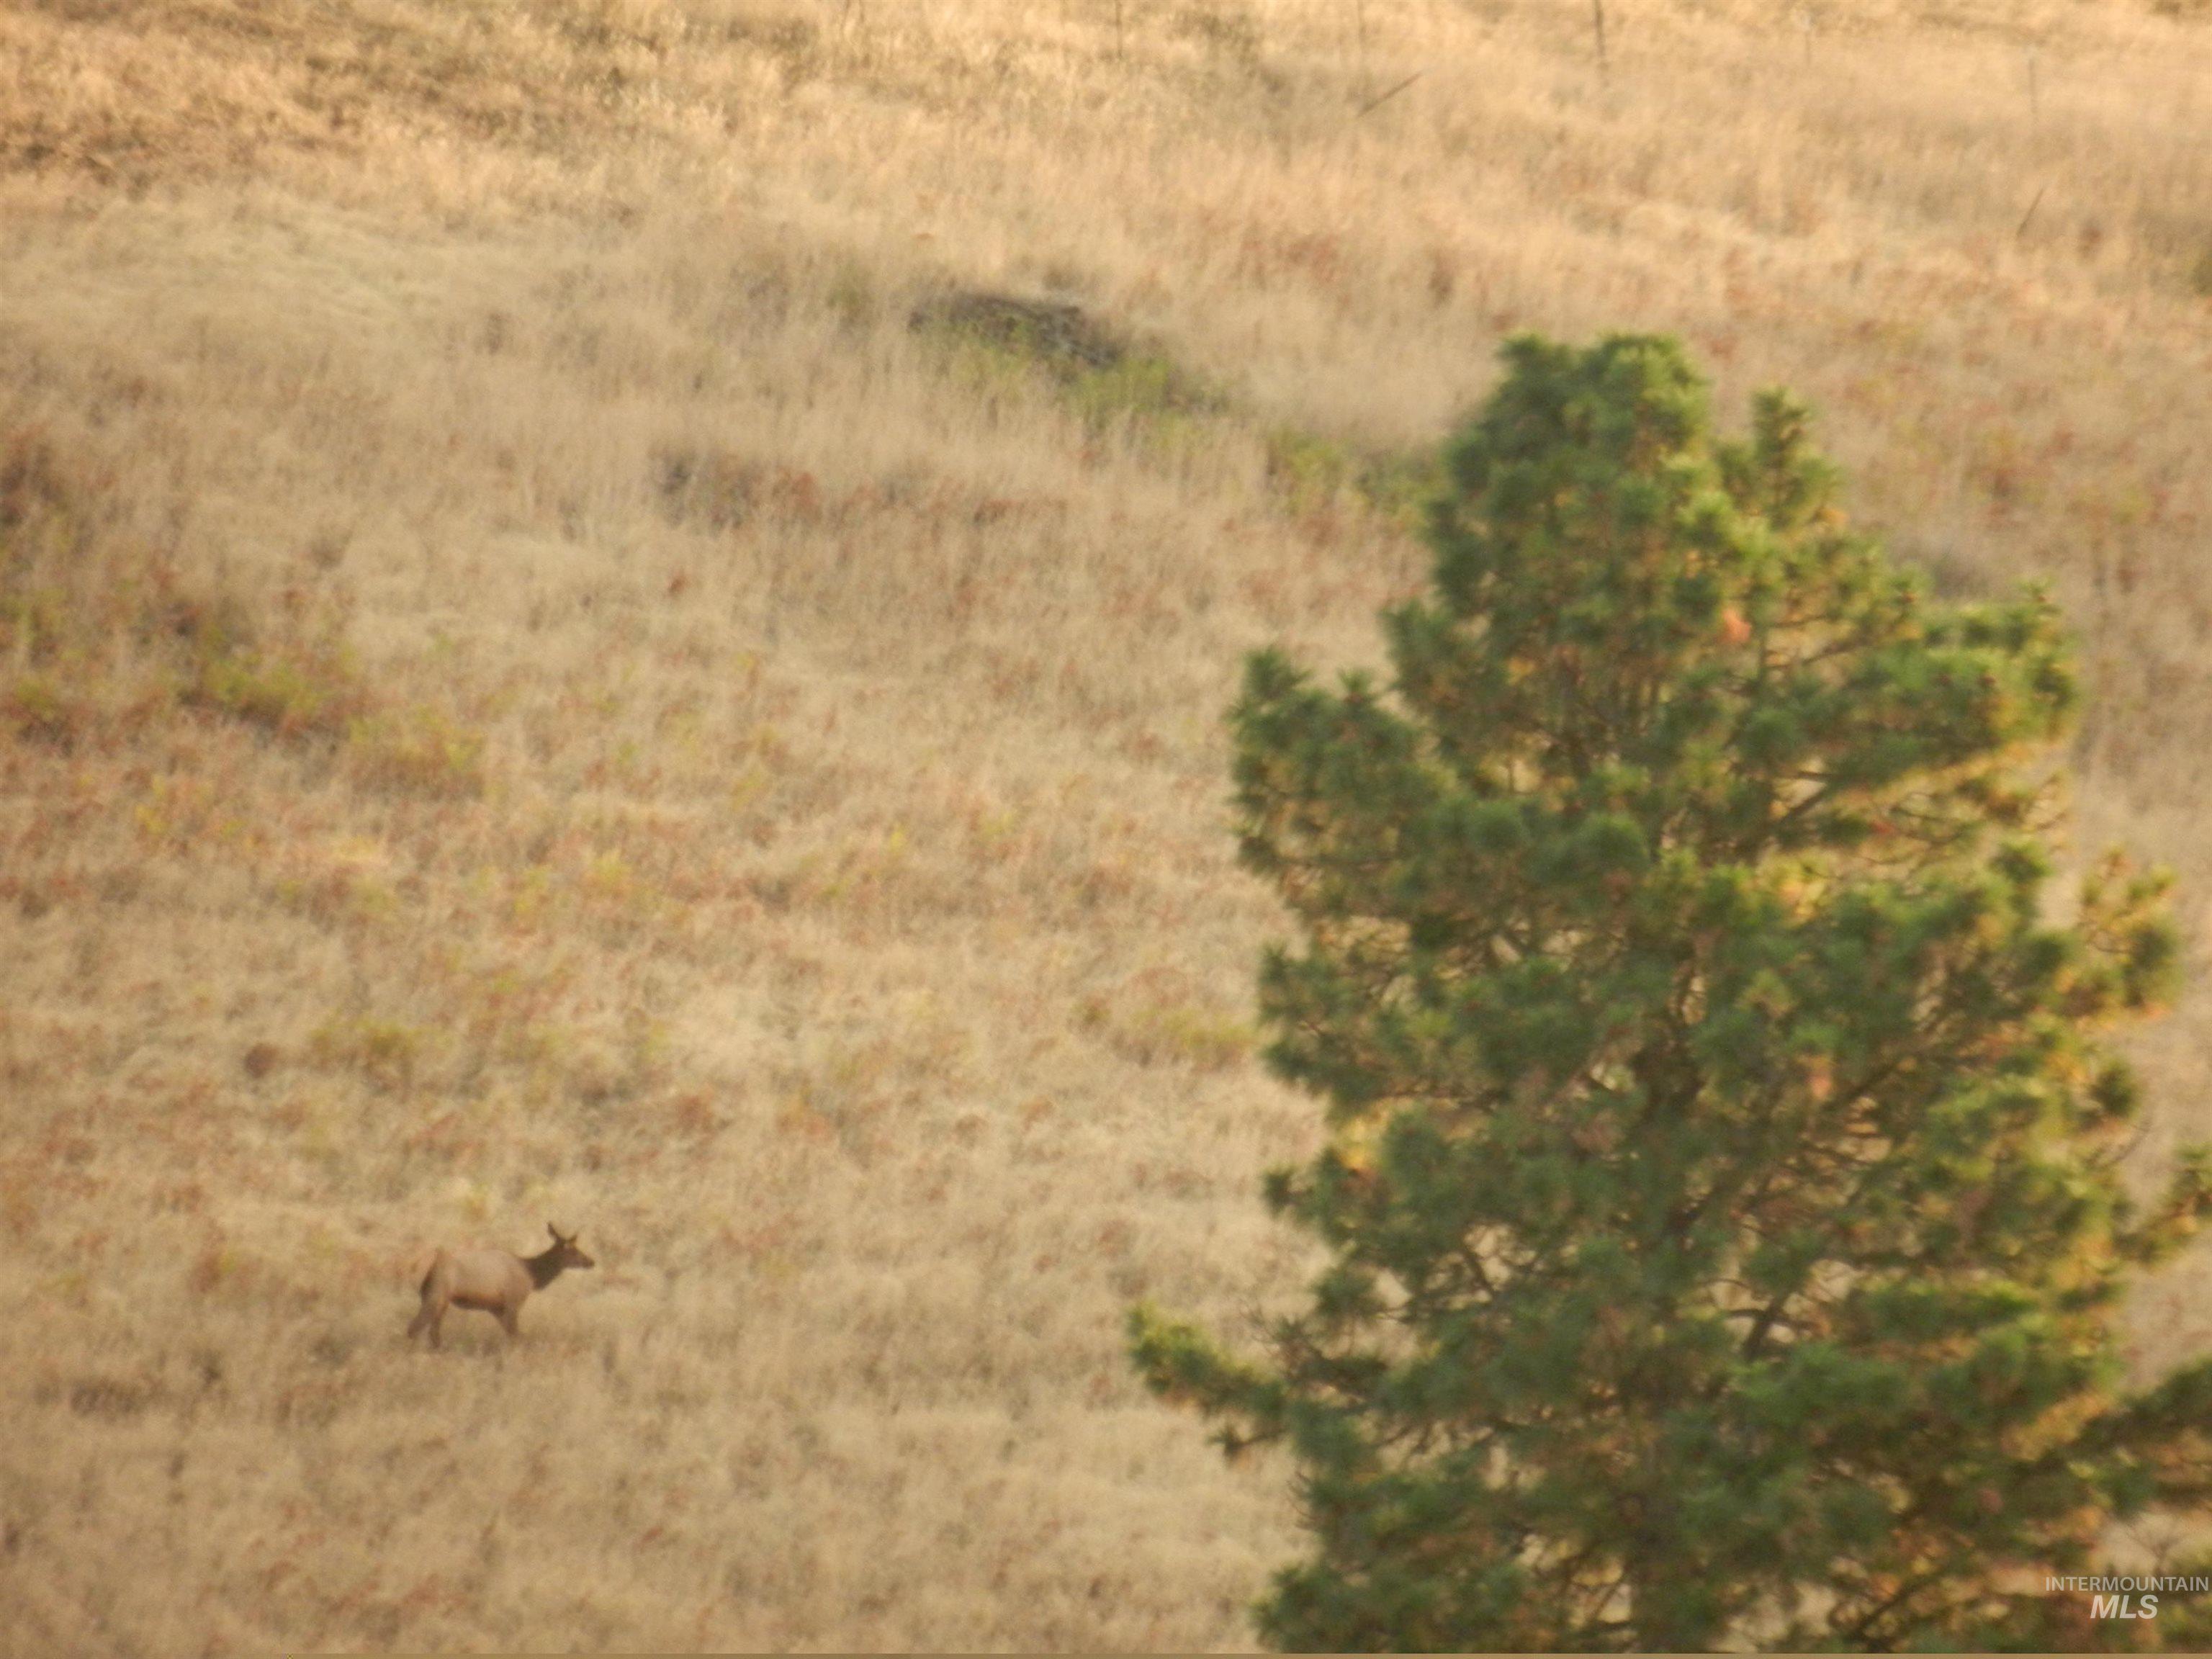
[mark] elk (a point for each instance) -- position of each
(497, 1282)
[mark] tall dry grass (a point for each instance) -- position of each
(528, 691)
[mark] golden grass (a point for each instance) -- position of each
(551, 700)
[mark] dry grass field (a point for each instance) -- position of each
(531, 689)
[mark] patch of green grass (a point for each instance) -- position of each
(311, 694)
(997, 341)
(2200, 275)
(1154, 1033)
(38, 710)
(417, 750)
(1145, 389)
(852, 295)
(385, 1052)
(1311, 471)
(97, 623)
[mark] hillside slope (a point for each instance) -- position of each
(565, 655)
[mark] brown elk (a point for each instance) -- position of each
(496, 1282)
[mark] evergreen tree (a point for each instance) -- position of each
(1724, 1236)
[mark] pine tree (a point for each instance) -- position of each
(1724, 1239)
